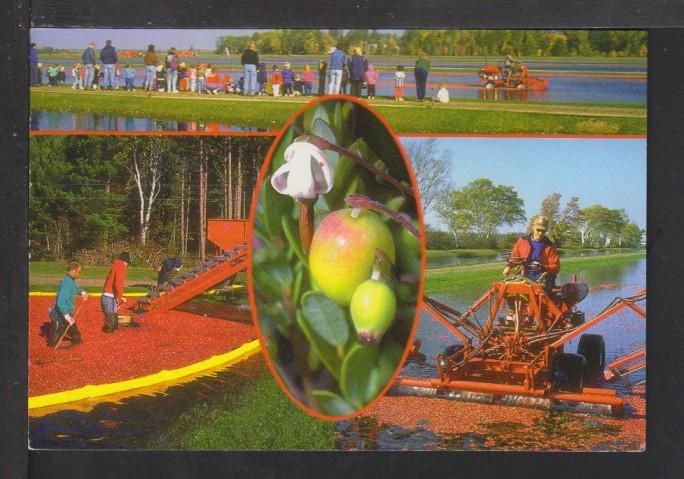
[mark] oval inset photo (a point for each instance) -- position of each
(336, 257)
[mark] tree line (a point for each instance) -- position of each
(475, 213)
(614, 43)
(149, 194)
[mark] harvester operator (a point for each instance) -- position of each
(536, 254)
(510, 64)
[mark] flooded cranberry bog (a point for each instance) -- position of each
(596, 90)
(406, 422)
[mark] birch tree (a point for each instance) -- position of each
(145, 166)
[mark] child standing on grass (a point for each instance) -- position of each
(276, 81)
(76, 73)
(192, 78)
(288, 79)
(61, 76)
(443, 93)
(129, 76)
(372, 76)
(399, 78)
(201, 78)
(262, 79)
(160, 77)
(52, 72)
(308, 80)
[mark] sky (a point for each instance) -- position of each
(611, 172)
(134, 38)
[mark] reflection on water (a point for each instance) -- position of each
(552, 431)
(137, 421)
(41, 120)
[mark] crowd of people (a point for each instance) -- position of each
(343, 74)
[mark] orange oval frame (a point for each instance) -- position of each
(250, 232)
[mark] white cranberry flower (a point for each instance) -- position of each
(305, 174)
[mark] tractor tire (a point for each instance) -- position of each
(451, 350)
(568, 372)
(489, 86)
(593, 348)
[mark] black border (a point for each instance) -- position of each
(359, 13)
(665, 440)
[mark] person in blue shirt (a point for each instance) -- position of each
(33, 65)
(88, 60)
(166, 269)
(288, 79)
(62, 313)
(336, 66)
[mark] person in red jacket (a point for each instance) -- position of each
(112, 294)
(537, 253)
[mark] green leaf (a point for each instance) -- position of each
(332, 404)
(357, 368)
(326, 353)
(326, 318)
(292, 234)
(342, 122)
(396, 203)
(388, 362)
(274, 281)
(275, 206)
(278, 158)
(322, 129)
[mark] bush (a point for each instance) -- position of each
(150, 254)
(440, 240)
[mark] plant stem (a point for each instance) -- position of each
(306, 222)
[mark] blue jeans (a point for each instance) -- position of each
(334, 83)
(421, 80)
(129, 83)
(108, 304)
(109, 76)
(149, 76)
(171, 80)
(200, 84)
(89, 76)
(250, 73)
(33, 74)
(307, 88)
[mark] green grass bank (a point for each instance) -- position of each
(470, 117)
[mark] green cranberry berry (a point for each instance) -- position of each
(373, 308)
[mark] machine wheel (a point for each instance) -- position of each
(452, 349)
(568, 371)
(489, 85)
(593, 348)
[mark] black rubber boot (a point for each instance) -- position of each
(111, 322)
(56, 330)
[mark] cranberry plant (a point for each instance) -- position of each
(336, 257)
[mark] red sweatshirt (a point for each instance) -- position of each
(549, 256)
(115, 279)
